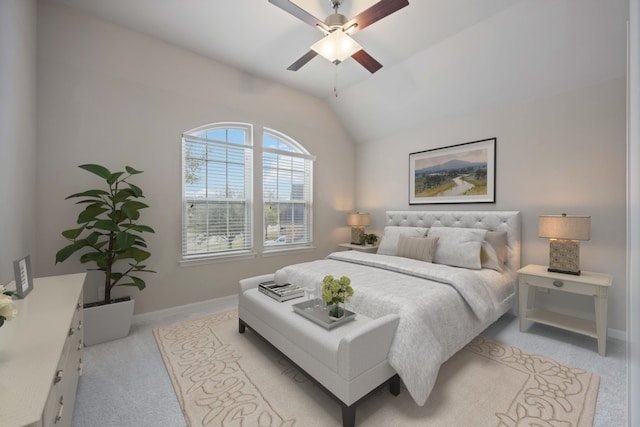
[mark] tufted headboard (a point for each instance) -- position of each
(508, 221)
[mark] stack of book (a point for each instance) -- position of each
(280, 293)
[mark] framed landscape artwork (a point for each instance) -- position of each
(463, 173)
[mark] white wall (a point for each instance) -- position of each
(112, 96)
(564, 153)
(529, 49)
(17, 132)
(633, 219)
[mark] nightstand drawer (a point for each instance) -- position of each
(560, 284)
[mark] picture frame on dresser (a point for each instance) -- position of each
(463, 173)
(23, 276)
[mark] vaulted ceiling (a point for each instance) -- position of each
(440, 57)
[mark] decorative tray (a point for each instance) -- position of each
(318, 314)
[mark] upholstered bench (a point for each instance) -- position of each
(348, 362)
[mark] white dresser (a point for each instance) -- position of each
(41, 354)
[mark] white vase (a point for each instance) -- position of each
(107, 322)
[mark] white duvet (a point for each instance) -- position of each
(441, 308)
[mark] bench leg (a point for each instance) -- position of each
(241, 326)
(348, 415)
(394, 385)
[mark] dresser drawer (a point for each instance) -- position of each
(59, 407)
(54, 408)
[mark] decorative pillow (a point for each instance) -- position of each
(458, 247)
(498, 239)
(391, 234)
(488, 257)
(420, 248)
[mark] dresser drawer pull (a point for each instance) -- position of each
(558, 283)
(58, 377)
(60, 411)
(79, 306)
(72, 331)
(80, 345)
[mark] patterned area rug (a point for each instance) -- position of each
(223, 378)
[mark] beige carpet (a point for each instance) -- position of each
(223, 378)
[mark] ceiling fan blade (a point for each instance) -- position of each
(303, 60)
(299, 13)
(367, 61)
(373, 14)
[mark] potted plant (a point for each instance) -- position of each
(336, 292)
(110, 237)
(370, 239)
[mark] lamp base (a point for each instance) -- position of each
(357, 235)
(552, 270)
(564, 256)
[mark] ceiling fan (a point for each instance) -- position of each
(337, 45)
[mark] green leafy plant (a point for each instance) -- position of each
(109, 231)
(370, 239)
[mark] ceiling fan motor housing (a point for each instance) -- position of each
(335, 21)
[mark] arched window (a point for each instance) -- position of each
(287, 171)
(217, 191)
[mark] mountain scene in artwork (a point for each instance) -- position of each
(453, 177)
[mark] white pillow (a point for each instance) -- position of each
(458, 247)
(420, 248)
(391, 234)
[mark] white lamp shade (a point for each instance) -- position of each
(336, 46)
(567, 227)
(358, 219)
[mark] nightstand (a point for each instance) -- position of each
(361, 248)
(588, 283)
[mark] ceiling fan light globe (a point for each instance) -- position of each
(336, 47)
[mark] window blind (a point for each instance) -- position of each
(287, 192)
(217, 195)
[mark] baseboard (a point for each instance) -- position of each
(617, 334)
(221, 303)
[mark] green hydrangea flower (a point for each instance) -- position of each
(336, 290)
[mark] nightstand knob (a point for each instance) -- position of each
(558, 283)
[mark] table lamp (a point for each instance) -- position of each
(565, 232)
(357, 221)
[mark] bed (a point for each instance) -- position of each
(443, 304)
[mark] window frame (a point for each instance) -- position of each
(247, 148)
(254, 189)
(297, 151)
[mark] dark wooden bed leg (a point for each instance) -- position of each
(394, 385)
(348, 415)
(241, 326)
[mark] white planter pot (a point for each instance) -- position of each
(107, 322)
